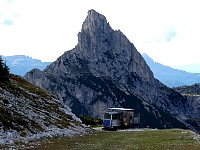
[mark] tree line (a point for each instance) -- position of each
(4, 71)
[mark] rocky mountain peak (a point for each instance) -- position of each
(106, 51)
(106, 70)
(95, 28)
(95, 20)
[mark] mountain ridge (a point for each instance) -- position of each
(21, 64)
(170, 76)
(106, 70)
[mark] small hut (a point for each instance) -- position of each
(119, 118)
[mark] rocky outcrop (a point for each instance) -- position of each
(28, 113)
(106, 70)
(192, 93)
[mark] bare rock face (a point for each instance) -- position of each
(106, 70)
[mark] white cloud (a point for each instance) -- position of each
(166, 30)
(8, 22)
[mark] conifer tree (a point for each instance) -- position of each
(4, 71)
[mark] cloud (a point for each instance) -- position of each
(170, 35)
(8, 22)
(9, 1)
(8, 12)
(168, 31)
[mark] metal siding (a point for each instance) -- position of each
(107, 123)
(116, 123)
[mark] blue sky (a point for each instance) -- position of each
(167, 30)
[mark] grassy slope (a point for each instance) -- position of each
(148, 139)
(28, 112)
(36, 98)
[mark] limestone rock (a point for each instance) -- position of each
(106, 70)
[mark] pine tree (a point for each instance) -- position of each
(4, 71)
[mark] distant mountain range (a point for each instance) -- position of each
(20, 64)
(169, 76)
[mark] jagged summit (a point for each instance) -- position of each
(95, 29)
(95, 20)
(106, 70)
(102, 48)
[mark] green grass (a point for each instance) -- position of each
(34, 97)
(93, 122)
(23, 83)
(141, 140)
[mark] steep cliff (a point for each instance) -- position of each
(106, 70)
